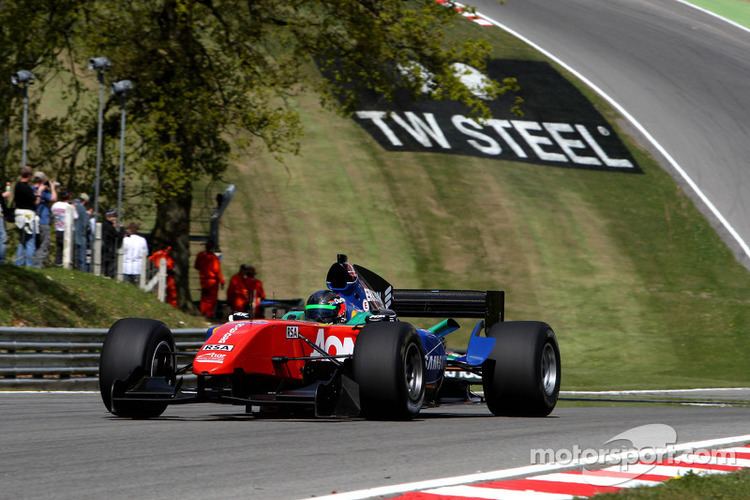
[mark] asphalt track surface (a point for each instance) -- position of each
(682, 74)
(68, 446)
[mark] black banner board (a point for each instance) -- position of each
(559, 125)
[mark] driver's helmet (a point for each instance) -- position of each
(325, 306)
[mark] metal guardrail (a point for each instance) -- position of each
(63, 358)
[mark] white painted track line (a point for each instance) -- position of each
(713, 14)
(653, 391)
(49, 392)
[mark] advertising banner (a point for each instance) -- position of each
(559, 126)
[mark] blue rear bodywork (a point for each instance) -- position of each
(360, 298)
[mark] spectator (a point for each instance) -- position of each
(4, 214)
(166, 254)
(92, 224)
(111, 239)
(238, 295)
(90, 237)
(245, 291)
(134, 250)
(62, 211)
(47, 193)
(25, 201)
(209, 268)
(81, 232)
(257, 294)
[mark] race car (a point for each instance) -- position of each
(349, 353)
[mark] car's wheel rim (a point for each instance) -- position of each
(549, 369)
(161, 363)
(413, 372)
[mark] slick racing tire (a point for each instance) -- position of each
(390, 370)
(133, 348)
(521, 377)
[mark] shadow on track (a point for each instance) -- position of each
(431, 414)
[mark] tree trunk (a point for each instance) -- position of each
(4, 150)
(172, 228)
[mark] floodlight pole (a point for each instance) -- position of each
(25, 139)
(99, 140)
(121, 179)
(22, 79)
(120, 89)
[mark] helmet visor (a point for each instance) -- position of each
(322, 313)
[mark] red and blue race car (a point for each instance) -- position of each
(347, 354)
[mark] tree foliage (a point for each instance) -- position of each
(33, 35)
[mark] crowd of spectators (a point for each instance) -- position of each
(39, 207)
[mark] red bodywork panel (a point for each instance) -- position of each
(251, 345)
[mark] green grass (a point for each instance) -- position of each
(689, 487)
(736, 10)
(64, 298)
(639, 288)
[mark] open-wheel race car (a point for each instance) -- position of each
(347, 354)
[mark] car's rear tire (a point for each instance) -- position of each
(133, 348)
(389, 367)
(521, 377)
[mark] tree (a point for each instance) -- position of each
(205, 70)
(33, 35)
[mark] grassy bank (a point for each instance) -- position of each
(63, 298)
(736, 10)
(689, 487)
(639, 288)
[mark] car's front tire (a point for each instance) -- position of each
(133, 348)
(389, 368)
(521, 377)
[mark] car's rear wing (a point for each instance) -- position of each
(489, 304)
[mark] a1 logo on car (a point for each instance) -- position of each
(292, 332)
